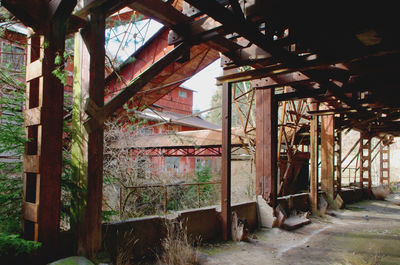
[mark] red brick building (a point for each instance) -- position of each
(171, 115)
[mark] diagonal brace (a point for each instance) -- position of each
(98, 117)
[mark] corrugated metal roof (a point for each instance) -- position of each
(200, 138)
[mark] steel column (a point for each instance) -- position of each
(338, 160)
(314, 159)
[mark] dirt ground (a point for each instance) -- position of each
(367, 232)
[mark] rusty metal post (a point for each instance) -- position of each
(198, 195)
(338, 160)
(226, 161)
(314, 159)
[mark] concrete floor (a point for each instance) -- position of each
(367, 232)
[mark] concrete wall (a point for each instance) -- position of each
(203, 223)
(299, 202)
(352, 195)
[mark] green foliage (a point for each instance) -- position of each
(13, 245)
(207, 191)
(12, 142)
(107, 215)
(60, 72)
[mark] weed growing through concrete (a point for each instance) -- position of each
(178, 247)
(126, 244)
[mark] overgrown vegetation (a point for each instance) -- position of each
(12, 245)
(143, 189)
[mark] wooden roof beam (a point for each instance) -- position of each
(98, 115)
(108, 6)
(37, 14)
(248, 30)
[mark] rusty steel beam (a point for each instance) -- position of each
(314, 160)
(179, 151)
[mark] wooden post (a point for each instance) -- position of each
(226, 161)
(365, 161)
(87, 151)
(327, 155)
(314, 159)
(266, 144)
(43, 153)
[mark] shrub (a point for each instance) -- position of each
(13, 245)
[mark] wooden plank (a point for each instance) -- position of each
(34, 70)
(30, 211)
(226, 161)
(107, 6)
(32, 116)
(30, 13)
(31, 163)
(160, 11)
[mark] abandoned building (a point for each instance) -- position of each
(298, 78)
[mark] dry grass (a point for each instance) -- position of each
(355, 259)
(177, 247)
(126, 244)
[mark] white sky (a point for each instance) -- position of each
(204, 83)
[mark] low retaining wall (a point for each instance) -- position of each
(351, 195)
(203, 223)
(300, 202)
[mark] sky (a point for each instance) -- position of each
(203, 83)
